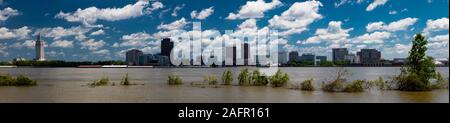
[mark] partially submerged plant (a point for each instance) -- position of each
(307, 85)
(174, 80)
(227, 77)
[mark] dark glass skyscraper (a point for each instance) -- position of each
(293, 56)
(370, 56)
(166, 48)
(339, 54)
(132, 57)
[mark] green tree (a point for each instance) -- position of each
(419, 69)
(418, 62)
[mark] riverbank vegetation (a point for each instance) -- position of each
(21, 80)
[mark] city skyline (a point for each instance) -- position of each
(72, 32)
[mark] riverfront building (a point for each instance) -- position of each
(39, 46)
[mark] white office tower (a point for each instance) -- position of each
(40, 55)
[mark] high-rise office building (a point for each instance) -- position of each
(39, 46)
(339, 54)
(321, 59)
(246, 49)
(146, 59)
(350, 58)
(230, 56)
(308, 57)
(370, 56)
(132, 57)
(293, 56)
(282, 58)
(166, 47)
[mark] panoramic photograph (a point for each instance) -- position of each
(217, 51)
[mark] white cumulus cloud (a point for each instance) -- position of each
(91, 15)
(254, 9)
(375, 4)
(399, 25)
(334, 33)
(202, 14)
(298, 17)
(62, 44)
(7, 13)
(20, 33)
(92, 45)
(178, 24)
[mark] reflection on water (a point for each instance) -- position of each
(66, 85)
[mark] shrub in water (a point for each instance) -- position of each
(279, 79)
(102, 82)
(24, 81)
(21, 80)
(125, 80)
(338, 83)
(440, 83)
(334, 86)
(307, 85)
(259, 79)
(212, 80)
(355, 86)
(244, 77)
(410, 82)
(227, 77)
(174, 80)
(380, 83)
(6, 80)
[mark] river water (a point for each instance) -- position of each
(69, 85)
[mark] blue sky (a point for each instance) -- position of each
(78, 30)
